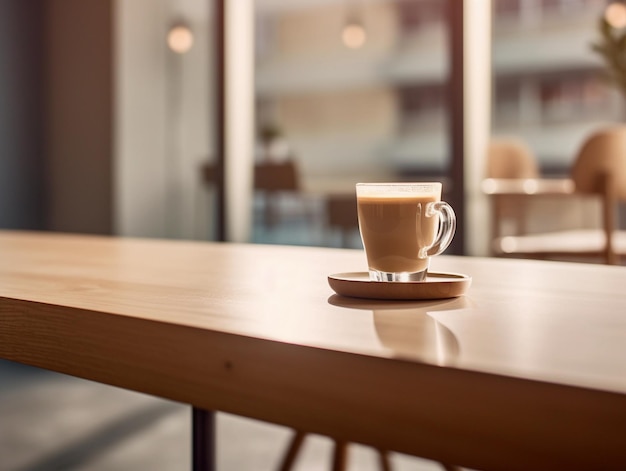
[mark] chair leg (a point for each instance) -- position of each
(340, 456)
(449, 467)
(384, 461)
(292, 452)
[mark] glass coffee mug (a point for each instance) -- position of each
(402, 225)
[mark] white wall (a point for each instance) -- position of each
(163, 120)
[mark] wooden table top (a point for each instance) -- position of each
(529, 363)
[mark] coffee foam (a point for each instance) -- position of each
(399, 195)
(399, 190)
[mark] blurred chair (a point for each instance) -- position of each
(339, 459)
(599, 171)
(340, 456)
(341, 214)
(272, 179)
(509, 159)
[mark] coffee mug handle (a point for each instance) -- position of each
(447, 226)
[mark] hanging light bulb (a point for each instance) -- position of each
(353, 33)
(615, 15)
(180, 39)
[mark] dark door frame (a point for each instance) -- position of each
(456, 121)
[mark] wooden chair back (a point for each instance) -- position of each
(510, 158)
(276, 176)
(602, 156)
(341, 213)
(600, 168)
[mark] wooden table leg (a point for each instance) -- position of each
(203, 440)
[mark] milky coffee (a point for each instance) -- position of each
(394, 229)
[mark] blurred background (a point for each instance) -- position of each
(110, 124)
(105, 127)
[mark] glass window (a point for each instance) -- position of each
(507, 7)
(548, 83)
(507, 100)
(345, 92)
(413, 14)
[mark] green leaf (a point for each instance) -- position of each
(611, 46)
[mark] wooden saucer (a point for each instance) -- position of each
(436, 286)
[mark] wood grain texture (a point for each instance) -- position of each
(526, 371)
